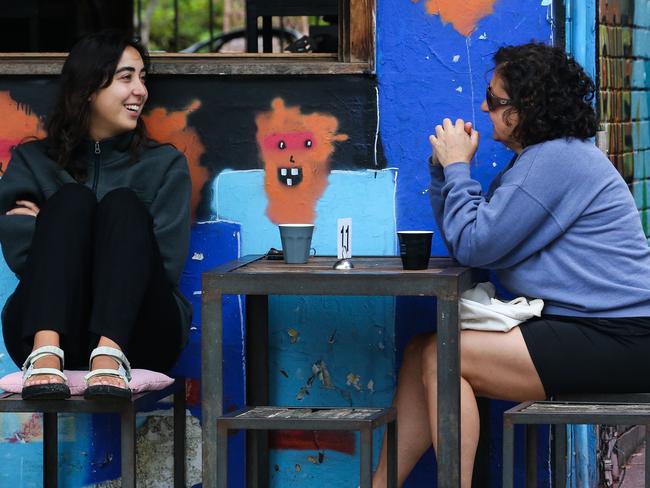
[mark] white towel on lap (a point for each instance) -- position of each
(480, 310)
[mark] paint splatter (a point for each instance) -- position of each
(30, 430)
(463, 16)
(166, 126)
(197, 256)
(456, 58)
(295, 148)
(353, 380)
(319, 370)
(293, 335)
(18, 123)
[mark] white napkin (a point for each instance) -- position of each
(480, 310)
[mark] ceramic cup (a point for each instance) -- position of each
(415, 248)
(296, 242)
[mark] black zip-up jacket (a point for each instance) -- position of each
(160, 178)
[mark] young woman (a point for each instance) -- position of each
(558, 223)
(95, 220)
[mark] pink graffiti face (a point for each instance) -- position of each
(290, 142)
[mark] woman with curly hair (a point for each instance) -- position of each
(95, 222)
(558, 223)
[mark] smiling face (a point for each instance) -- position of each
(296, 149)
(116, 108)
(503, 124)
(290, 151)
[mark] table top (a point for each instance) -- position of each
(371, 276)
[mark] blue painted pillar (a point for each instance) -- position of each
(582, 469)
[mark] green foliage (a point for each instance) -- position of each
(193, 23)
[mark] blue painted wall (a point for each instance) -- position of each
(427, 70)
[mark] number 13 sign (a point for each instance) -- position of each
(344, 234)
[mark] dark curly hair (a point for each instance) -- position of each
(551, 93)
(89, 67)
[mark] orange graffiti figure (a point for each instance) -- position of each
(296, 149)
(462, 15)
(165, 126)
(18, 123)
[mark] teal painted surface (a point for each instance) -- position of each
(641, 134)
(334, 351)
(581, 457)
(368, 197)
(581, 44)
(641, 99)
(581, 33)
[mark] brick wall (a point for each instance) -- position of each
(624, 92)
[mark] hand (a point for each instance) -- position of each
(25, 207)
(454, 143)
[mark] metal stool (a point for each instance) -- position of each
(13, 402)
(563, 413)
(363, 420)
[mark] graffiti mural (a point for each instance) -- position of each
(463, 16)
(19, 123)
(296, 149)
(171, 126)
(230, 130)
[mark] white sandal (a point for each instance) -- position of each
(123, 372)
(48, 391)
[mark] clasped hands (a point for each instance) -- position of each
(453, 143)
(25, 207)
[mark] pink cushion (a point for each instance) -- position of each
(141, 380)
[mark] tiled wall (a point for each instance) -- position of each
(624, 92)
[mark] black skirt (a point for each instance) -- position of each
(590, 355)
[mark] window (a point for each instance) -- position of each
(200, 37)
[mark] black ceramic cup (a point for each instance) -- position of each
(415, 248)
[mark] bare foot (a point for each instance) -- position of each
(42, 338)
(106, 362)
(49, 361)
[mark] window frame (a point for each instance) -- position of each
(356, 55)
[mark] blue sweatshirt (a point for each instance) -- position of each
(559, 223)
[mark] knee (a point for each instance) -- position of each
(122, 201)
(429, 359)
(74, 199)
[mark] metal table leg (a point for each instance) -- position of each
(365, 461)
(211, 380)
(448, 454)
(257, 388)
(127, 422)
(508, 453)
(50, 450)
(179, 435)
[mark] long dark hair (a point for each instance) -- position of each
(90, 66)
(550, 92)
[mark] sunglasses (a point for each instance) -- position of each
(494, 102)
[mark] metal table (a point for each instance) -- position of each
(257, 278)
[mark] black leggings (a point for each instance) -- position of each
(94, 269)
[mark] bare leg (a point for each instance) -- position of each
(469, 416)
(412, 416)
(45, 338)
(106, 362)
(493, 365)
